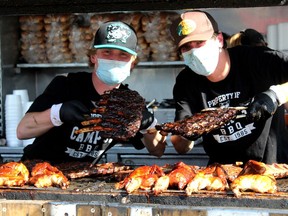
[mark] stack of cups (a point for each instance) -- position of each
(13, 115)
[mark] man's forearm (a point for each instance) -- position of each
(34, 124)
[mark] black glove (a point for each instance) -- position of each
(263, 106)
(147, 119)
(73, 112)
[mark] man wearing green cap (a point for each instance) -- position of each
(57, 112)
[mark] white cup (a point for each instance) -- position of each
(13, 110)
(12, 100)
(17, 114)
(12, 140)
(13, 118)
(13, 105)
(12, 123)
(13, 115)
(23, 94)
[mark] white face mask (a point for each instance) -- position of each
(203, 60)
(113, 72)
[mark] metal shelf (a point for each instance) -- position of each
(11, 150)
(66, 65)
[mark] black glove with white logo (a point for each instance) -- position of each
(72, 112)
(263, 106)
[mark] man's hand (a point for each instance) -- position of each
(72, 112)
(263, 106)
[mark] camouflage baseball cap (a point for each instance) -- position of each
(193, 25)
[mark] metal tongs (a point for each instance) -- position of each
(100, 154)
(240, 108)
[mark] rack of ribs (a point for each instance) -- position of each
(199, 123)
(117, 115)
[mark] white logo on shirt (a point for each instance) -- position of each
(80, 154)
(235, 136)
(87, 142)
(223, 99)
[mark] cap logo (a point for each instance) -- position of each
(186, 27)
(116, 33)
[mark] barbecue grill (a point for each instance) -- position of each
(97, 197)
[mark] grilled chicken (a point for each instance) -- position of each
(142, 177)
(161, 185)
(255, 176)
(141, 182)
(46, 175)
(256, 167)
(13, 174)
(212, 177)
(148, 181)
(180, 176)
(232, 171)
(177, 178)
(254, 182)
(205, 181)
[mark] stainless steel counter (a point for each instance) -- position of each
(11, 153)
(129, 155)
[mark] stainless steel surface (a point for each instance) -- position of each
(8, 154)
(126, 207)
(127, 154)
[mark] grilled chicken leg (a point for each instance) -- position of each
(256, 183)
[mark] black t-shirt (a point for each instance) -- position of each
(61, 143)
(253, 70)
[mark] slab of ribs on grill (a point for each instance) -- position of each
(118, 115)
(199, 123)
(75, 170)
